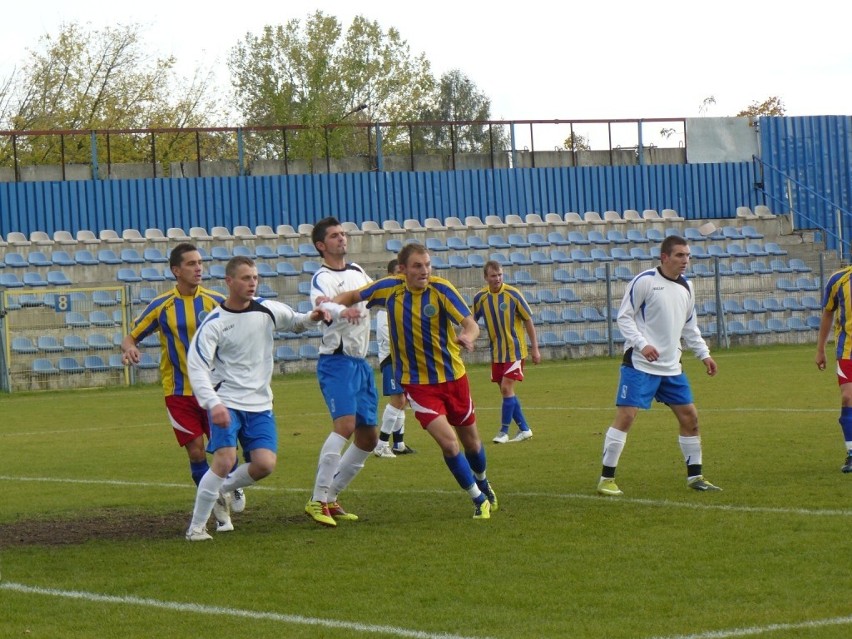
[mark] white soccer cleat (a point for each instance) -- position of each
(198, 534)
(222, 513)
(501, 438)
(238, 501)
(384, 450)
(522, 435)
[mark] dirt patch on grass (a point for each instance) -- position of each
(112, 524)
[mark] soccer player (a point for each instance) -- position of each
(836, 301)
(230, 367)
(176, 314)
(425, 350)
(345, 378)
(506, 315)
(393, 417)
(658, 309)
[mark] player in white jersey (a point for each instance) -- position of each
(393, 417)
(230, 367)
(345, 377)
(657, 311)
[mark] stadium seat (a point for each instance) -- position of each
(15, 260)
(596, 237)
(439, 263)
(571, 316)
(777, 325)
(736, 327)
(104, 298)
(757, 327)
(591, 314)
(85, 236)
(148, 361)
(791, 303)
(573, 338)
(42, 366)
(133, 236)
(568, 296)
(731, 233)
(455, 243)
(612, 217)
(639, 253)
(497, 242)
(811, 303)
(33, 279)
(434, 244)
(62, 258)
(98, 341)
(753, 306)
(540, 257)
(578, 238)
(475, 260)
(562, 275)
(774, 249)
(772, 305)
(49, 344)
(779, 266)
(759, 267)
(391, 226)
(154, 255)
(751, 233)
(38, 258)
(547, 296)
(556, 238)
(458, 261)
(635, 236)
(579, 255)
(733, 306)
(110, 235)
(813, 322)
(537, 239)
(100, 318)
(155, 235)
(58, 278)
(583, 274)
(549, 338)
(476, 243)
(798, 265)
(622, 273)
(94, 364)
(594, 336)
(516, 240)
(23, 346)
(393, 245)
(572, 217)
(217, 271)
(549, 316)
(308, 351)
(286, 353)
(519, 258)
(797, 324)
(64, 237)
(127, 275)
(600, 255)
(802, 283)
(615, 236)
(108, 256)
(559, 256)
(85, 257)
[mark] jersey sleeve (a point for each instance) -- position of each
(200, 362)
(633, 299)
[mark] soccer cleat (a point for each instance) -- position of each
(403, 449)
(492, 497)
(337, 512)
(238, 501)
(847, 467)
(383, 450)
(501, 438)
(607, 486)
(483, 510)
(522, 435)
(701, 484)
(318, 511)
(222, 513)
(198, 534)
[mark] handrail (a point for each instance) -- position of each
(795, 212)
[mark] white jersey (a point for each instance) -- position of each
(230, 356)
(659, 311)
(340, 336)
(382, 334)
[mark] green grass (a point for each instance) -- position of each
(96, 485)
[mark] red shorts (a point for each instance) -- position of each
(452, 399)
(188, 419)
(512, 370)
(844, 371)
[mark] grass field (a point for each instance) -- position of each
(96, 498)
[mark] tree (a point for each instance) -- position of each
(84, 79)
(576, 142)
(316, 75)
(459, 100)
(770, 106)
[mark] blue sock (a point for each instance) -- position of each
(477, 465)
(519, 416)
(197, 470)
(846, 422)
(460, 468)
(506, 412)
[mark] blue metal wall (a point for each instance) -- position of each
(813, 157)
(697, 191)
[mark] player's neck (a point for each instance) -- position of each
(338, 263)
(186, 290)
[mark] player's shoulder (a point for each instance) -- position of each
(211, 294)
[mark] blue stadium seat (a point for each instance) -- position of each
(802, 283)
(287, 250)
(455, 243)
(753, 306)
(700, 269)
(476, 260)
(100, 318)
(591, 314)
(94, 364)
(286, 353)
(571, 316)
(439, 263)
(798, 265)
(774, 249)
(266, 291)
(584, 275)
(286, 269)
(42, 366)
(777, 326)
(614, 236)
(562, 275)
(594, 336)
(733, 306)
(779, 266)
(524, 278)
(85, 257)
(154, 256)
(772, 305)
(519, 258)
(757, 327)
(547, 296)
(693, 235)
(731, 233)
(556, 238)
(580, 255)
(107, 256)
(104, 298)
(568, 295)
(577, 238)
(220, 253)
(33, 279)
(635, 236)
(811, 303)
(573, 338)
(501, 258)
(476, 243)
(15, 260)
(549, 316)
(148, 361)
(435, 244)
(736, 327)
(265, 252)
(759, 267)
(38, 258)
(127, 275)
(75, 319)
(813, 322)
(243, 251)
(791, 303)
(735, 249)
(131, 256)
(516, 240)
(640, 253)
(23, 346)
(620, 254)
(755, 250)
(308, 351)
(549, 338)
(497, 242)
(69, 365)
(540, 257)
(559, 256)
(751, 233)
(596, 237)
(797, 324)
(622, 273)
(786, 284)
(99, 341)
(116, 362)
(58, 278)
(458, 261)
(537, 239)
(62, 258)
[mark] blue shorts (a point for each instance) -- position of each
(636, 388)
(348, 386)
(390, 384)
(253, 430)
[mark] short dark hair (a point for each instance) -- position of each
(320, 230)
(670, 242)
(392, 266)
(176, 256)
(408, 250)
(491, 265)
(235, 262)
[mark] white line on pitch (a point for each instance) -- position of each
(230, 612)
(759, 630)
(629, 501)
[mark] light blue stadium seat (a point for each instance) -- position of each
(34, 279)
(573, 338)
(127, 275)
(498, 242)
(550, 338)
(23, 346)
(308, 351)
(58, 278)
(42, 366)
(559, 256)
(69, 365)
(95, 364)
(38, 258)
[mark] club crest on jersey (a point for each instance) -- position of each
(430, 310)
(503, 306)
(202, 316)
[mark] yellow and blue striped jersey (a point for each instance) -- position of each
(838, 299)
(420, 326)
(176, 317)
(504, 314)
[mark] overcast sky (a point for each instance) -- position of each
(534, 59)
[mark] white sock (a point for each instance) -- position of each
(240, 478)
(329, 460)
(613, 445)
(350, 465)
(205, 497)
(399, 426)
(389, 419)
(691, 449)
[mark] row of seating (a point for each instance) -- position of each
(759, 306)
(197, 233)
(771, 325)
(89, 364)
